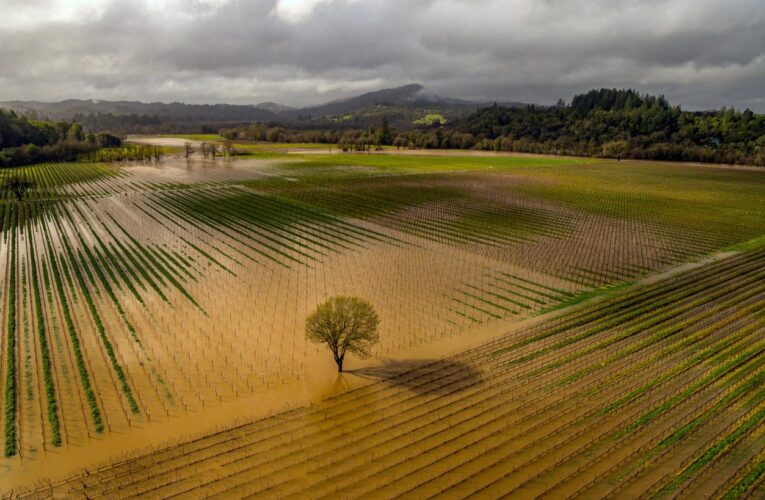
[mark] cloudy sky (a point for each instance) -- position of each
(700, 53)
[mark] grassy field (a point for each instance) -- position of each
(135, 295)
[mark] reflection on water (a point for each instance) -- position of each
(195, 170)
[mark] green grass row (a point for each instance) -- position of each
(77, 266)
(50, 390)
(10, 350)
(56, 272)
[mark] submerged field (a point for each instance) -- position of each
(655, 392)
(137, 297)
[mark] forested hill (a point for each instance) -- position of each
(617, 123)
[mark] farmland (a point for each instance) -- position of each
(676, 393)
(138, 297)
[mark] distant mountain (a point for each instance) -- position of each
(406, 106)
(274, 107)
(403, 106)
(212, 113)
(401, 96)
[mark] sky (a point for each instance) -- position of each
(701, 54)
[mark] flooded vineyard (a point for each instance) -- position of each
(172, 296)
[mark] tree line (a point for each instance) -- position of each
(618, 123)
(601, 123)
(24, 141)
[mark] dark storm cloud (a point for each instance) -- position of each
(701, 53)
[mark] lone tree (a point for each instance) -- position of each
(345, 324)
(18, 185)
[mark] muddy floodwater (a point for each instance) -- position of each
(151, 304)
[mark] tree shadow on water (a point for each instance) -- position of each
(424, 376)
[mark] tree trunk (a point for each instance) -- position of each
(339, 361)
